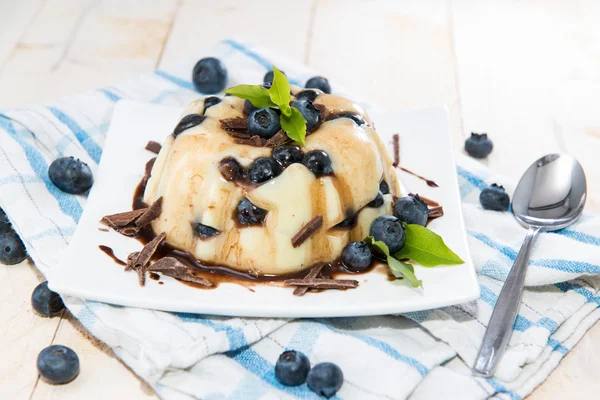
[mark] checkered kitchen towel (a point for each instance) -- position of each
(424, 355)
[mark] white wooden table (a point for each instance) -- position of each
(526, 72)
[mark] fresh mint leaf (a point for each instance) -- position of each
(294, 125)
(426, 247)
(258, 95)
(398, 268)
(280, 92)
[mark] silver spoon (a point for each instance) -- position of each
(550, 196)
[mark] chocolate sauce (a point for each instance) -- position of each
(154, 276)
(109, 252)
(429, 182)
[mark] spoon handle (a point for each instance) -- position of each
(505, 311)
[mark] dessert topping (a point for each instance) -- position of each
(307, 230)
(153, 146)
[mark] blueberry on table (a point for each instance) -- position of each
(268, 78)
(249, 214)
(46, 302)
(248, 107)
(318, 82)
(412, 210)
(292, 368)
(390, 231)
(187, 122)
(211, 101)
(5, 225)
(12, 249)
(71, 175)
(309, 112)
(357, 118)
(384, 187)
(308, 94)
(479, 145)
(263, 169)
(325, 379)
(58, 364)
(318, 162)
(209, 75)
(377, 201)
(357, 256)
(494, 198)
(287, 154)
(263, 122)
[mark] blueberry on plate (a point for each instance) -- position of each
(209, 75)
(384, 188)
(308, 94)
(231, 169)
(269, 76)
(479, 145)
(58, 364)
(187, 122)
(287, 154)
(377, 201)
(263, 122)
(318, 162)
(211, 101)
(390, 231)
(309, 112)
(325, 379)
(263, 169)
(12, 249)
(357, 256)
(249, 214)
(357, 118)
(318, 82)
(46, 302)
(412, 210)
(204, 231)
(495, 198)
(248, 107)
(292, 368)
(71, 175)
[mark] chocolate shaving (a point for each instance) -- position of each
(322, 283)
(153, 147)
(436, 212)
(313, 273)
(252, 141)
(396, 139)
(123, 219)
(103, 229)
(131, 258)
(237, 124)
(140, 262)
(239, 135)
(129, 231)
(307, 230)
(172, 267)
(277, 140)
(148, 168)
(151, 214)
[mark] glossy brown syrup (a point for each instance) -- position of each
(109, 252)
(429, 182)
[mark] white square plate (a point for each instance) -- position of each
(86, 272)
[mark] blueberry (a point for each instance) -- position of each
(349, 222)
(45, 301)
(384, 187)
(263, 122)
(58, 364)
(5, 225)
(495, 198)
(412, 210)
(248, 107)
(318, 162)
(268, 78)
(308, 94)
(12, 249)
(357, 256)
(267, 85)
(209, 76)
(71, 175)
(287, 154)
(357, 118)
(325, 379)
(309, 112)
(479, 145)
(318, 82)
(204, 231)
(187, 122)
(292, 368)
(211, 101)
(231, 169)
(249, 214)
(390, 231)
(263, 169)
(377, 201)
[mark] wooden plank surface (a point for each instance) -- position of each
(528, 73)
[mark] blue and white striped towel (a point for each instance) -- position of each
(424, 355)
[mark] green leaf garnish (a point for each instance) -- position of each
(258, 95)
(294, 125)
(280, 92)
(398, 268)
(426, 247)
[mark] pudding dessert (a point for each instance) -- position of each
(237, 192)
